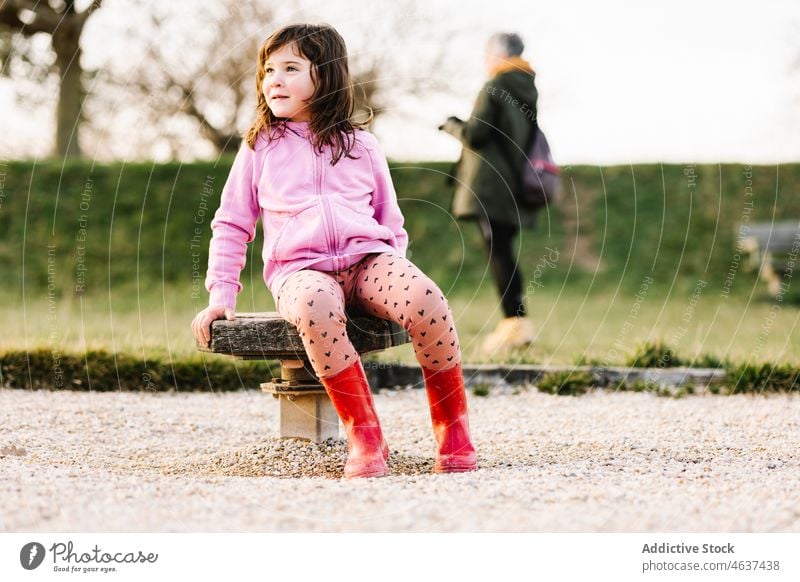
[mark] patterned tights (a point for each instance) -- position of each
(384, 285)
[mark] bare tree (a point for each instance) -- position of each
(395, 54)
(61, 20)
(218, 95)
(193, 73)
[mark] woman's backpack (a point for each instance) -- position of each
(541, 182)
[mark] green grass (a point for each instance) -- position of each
(148, 323)
(600, 327)
(633, 255)
(573, 383)
(123, 224)
(143, 341)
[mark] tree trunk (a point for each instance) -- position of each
(66, 44)
(224, 142)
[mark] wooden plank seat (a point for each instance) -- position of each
(305, 409)
(773, 249)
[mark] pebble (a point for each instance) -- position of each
(13, 451)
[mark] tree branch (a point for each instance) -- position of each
(8, 17)
(45, 18)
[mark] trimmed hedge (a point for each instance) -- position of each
(103, 371)
(760, 378)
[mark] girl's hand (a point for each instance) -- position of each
(201, 325)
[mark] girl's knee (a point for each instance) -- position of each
(313, 305)
(427, 295)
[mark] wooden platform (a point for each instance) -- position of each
(305, 409)
(267, 336)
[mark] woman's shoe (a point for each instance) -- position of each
(510, 333)
(367, 451)
(448, 402)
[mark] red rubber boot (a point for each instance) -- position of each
(366, 449)
(448, 402)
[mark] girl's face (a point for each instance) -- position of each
(287, 84)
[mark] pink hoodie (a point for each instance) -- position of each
(314, 215)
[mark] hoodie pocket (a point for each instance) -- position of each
(273, 235)
(302, 236)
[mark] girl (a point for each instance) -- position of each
(333, 238)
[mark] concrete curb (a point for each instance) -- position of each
(393, 375)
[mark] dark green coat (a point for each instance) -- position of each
(495, 139)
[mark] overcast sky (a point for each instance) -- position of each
(619, 81)
(640, 81)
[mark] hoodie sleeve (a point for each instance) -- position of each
(233, 227)
(384, 198)
(477, 130)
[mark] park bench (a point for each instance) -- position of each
(305, 410)
(772, 248)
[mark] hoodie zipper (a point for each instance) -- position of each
(327, 215)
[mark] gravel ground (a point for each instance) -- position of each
(72, 461)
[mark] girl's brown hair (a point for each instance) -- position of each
(332, 104)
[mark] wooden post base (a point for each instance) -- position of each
(305, 409)
(306, 412)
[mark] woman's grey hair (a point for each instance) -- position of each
(508, 43)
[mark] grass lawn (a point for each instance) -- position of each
(147, 229)
(574, 326)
